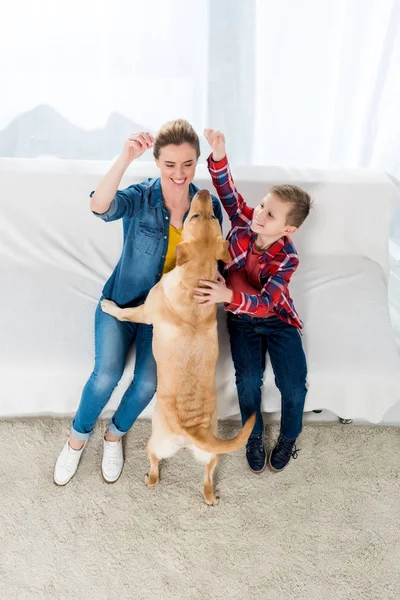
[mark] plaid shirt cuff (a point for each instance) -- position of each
(237, 300)
(216, 165)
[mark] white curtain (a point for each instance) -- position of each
(294, 82)
(78, 77)
(328, 83)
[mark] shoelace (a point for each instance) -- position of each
(289, 448)
(70, 460)
(113, 455)
(255, 444)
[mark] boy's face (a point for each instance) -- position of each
(269, 218)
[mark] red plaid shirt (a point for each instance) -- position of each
(277, 263)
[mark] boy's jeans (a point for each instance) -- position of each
(250, 338)
(113, 340)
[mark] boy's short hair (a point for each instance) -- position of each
(300, 200)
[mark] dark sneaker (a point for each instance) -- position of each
(281, 454)
(256, 455)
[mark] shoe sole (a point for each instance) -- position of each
(111, 480)
(271, 468)
(106, 480)
(258, 472)
(62, 484)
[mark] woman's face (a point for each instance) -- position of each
(177, 166)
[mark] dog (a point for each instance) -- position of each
(185, 347)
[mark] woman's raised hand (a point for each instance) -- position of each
(136, 145)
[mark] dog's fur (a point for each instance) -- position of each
(185, 347)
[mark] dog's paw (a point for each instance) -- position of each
(109, 307)
(150, 481)
(213, 500)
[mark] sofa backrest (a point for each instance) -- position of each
(45, 214)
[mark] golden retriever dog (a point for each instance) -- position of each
(185, 347)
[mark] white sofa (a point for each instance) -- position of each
(55, 257)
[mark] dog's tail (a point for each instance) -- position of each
(205, 440)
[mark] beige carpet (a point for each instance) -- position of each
(328, 528)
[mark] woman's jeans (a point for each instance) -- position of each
(250, 339)
(113, 340)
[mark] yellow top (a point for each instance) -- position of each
(175, 238)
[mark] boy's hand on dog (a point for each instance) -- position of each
(136, 145)
(213, 292)
(216, 139)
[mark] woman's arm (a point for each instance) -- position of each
(134, 147)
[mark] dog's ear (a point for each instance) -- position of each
(183, 253)
(222, 250)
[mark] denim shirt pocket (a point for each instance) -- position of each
(147, 239)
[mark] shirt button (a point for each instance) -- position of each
(166, 218)
(165, 237)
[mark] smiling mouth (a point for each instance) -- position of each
(178, 181)
(258, 222)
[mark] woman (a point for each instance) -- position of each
(153, 213)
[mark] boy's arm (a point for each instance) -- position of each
(273, 292)
(238, 211)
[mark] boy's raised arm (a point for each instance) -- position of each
(238, 211)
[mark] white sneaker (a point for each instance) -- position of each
(67, 464)
(113, 460)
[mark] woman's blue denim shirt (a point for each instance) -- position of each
(145, 220)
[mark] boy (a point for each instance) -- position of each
(261, 314)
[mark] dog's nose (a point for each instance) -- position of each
(203, 195)
(203, 200)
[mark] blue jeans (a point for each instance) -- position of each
(250, 338)
(113, 340)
